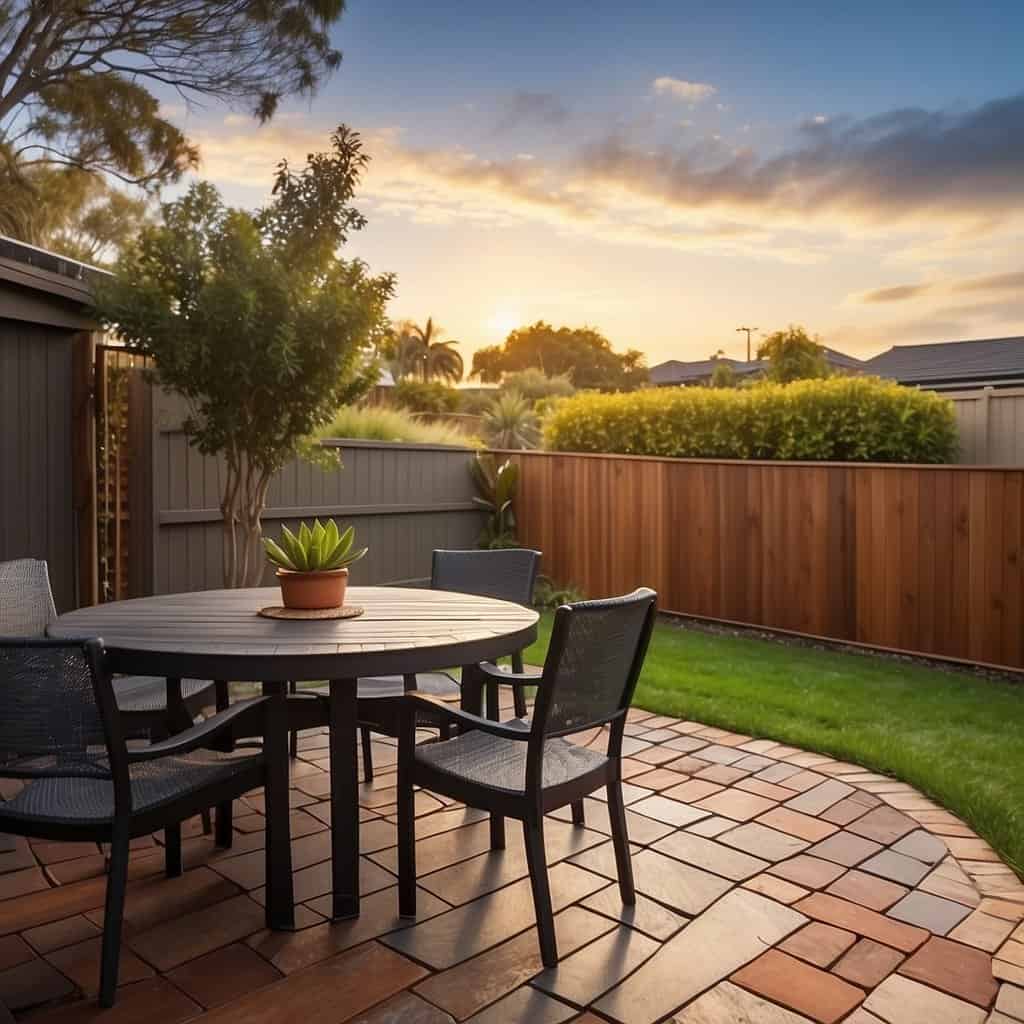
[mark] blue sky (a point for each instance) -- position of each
(665, 171)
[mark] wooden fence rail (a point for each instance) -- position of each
(918, 558)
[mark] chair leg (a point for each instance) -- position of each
(113, 916)
(207, 821)
(494, 714)
(518, 694)
(366, 743)
(293, 736)
(533, 834)
(620, 840)
(172, 850)
(519, 700)
(225, 832)
(280, 899)
(406, 822)
(578, 817)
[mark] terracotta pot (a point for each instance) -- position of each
(313, 590)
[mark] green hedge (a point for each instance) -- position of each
(855, 419)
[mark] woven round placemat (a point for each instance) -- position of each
(275, 611)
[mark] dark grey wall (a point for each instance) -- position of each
(36, 512)
(404, 501)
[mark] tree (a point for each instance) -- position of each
(536, 386)
(723, 375)
(510, 422)
(71, 212)
(257, 321)
(582, 354)
(76, 76)
(793, 355)
(419, 352)
(430, 396)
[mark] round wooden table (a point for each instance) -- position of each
(218, 635)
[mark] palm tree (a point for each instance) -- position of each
(510, 422)
(419, 352)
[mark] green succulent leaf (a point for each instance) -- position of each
(318, 548)
(277, 554)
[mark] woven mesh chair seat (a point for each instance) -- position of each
(89, 801)
(149, 693)
(437, 684)
(498, 763)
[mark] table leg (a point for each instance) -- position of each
(344, 798)
(472, 690)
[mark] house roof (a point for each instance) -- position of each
(952, 362)
(676, 371)
(43, 287)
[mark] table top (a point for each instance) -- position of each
(217, 634)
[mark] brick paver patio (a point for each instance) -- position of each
(775, 887)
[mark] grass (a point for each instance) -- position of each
(383, 423)
(957, 737)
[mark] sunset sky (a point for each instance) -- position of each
(667, 171)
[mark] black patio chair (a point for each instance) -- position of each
(61, 733)
(508, 574)
(27, 609)
(526, 770)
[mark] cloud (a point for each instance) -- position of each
(681, 89)
(1013, 282)
(930, 182)
(897, 165)
(993, 283)
(897, 294)
(527, 109)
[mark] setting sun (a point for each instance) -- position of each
(503, 322)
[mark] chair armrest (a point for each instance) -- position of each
(236, 716)
(493, 674)
(423, 702)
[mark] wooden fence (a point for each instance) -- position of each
(991, 425)
(918, 558)
(404, 501)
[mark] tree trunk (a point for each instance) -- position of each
(229, 514)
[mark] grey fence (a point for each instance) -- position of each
(991, 426)
(404, 501)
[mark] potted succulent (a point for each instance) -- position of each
(312, 565)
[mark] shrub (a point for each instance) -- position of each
(424, 396)
(550, 595)
(534, 384)
(856, 419)
(510, 422)
(380, 423)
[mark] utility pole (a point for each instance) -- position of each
(749, 331)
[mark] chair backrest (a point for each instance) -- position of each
(594, 659)
(26, 601)
(505, 573)
(58, 717)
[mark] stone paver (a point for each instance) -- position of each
(899, 1000)
(799, 986)
(732, 933)
(729, 1003)
(958, 970)
(867, 963)
(819, 944)
(773, 887)
(939, 916)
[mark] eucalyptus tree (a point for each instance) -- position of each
(81, 80)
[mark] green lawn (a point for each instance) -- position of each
(958, 738)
